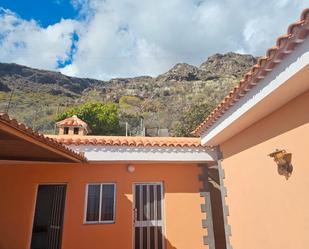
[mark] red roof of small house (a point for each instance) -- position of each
(296, 34)
(20, 128)
(72, 121)
(128, 141)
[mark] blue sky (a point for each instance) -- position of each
(123, 38)
(45, 12)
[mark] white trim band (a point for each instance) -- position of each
(146, 153)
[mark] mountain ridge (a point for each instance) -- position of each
(39, 95)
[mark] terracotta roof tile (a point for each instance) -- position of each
(72, 121)
(128, 141)
(285, 44)
(4, 118)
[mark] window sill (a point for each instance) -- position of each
(98, 222)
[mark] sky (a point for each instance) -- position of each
(105, 39)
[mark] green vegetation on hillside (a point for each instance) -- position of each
(163, 102)
(191, 119)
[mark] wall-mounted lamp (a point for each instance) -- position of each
(283, 161)
(130, 168)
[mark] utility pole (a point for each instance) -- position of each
(142, 127)
(34, 119)
(143, 130)
(57, 112)
(126, 129)
(10, 100)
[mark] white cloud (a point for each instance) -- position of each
(119, 38)
(25, 42)
(281, 3)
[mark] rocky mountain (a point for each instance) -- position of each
(181, 72)
(27, 79)
(216, 66)
(37, 96)
(228, 64)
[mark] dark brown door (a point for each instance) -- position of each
(48, 217)
(148, 216)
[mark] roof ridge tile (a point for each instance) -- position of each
(129, 141)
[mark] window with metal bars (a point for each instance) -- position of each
(100, 205)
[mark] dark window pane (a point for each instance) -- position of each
(152, 237)
(137, 237)
(144, 237)
(159, 202)
(151, 190)
(160, 238)
(66, 130)
(76, 130)
(107, 208)
(144, 202)
(93, 203)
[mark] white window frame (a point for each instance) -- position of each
(86, 204)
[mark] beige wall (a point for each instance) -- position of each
(183, 217)
(81, 131)
(266, 210)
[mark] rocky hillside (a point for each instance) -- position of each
(37, 96)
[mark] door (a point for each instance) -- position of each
(148, 216)
(48, 217)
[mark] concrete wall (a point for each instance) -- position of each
(266, 210)
(183, 216)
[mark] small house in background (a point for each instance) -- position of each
(73, 126)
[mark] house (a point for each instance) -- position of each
(243, 183)
(73, 125)
(74, 190)
(261, 131)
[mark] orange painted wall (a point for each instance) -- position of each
(266, 210)
(182, 203)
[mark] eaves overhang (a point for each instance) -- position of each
(21, 143)
(286, 45)
(285, 82)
